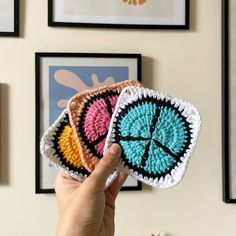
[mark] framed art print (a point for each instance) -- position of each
(156, 14)
(229, 100)
(9, 17)
(59, 76)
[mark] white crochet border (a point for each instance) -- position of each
(46, 148)
(131, 94)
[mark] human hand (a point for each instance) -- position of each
(86, 209)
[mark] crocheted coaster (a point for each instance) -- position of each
(90, 112)
(157, 134)
(58, 145)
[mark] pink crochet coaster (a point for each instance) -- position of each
(90, 113)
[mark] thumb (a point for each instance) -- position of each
(106, 165)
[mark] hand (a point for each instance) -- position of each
(86, 209)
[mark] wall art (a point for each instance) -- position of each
(229, 99)
(9, 17)
(59, 76)
(156, 14)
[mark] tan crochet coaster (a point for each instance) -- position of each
(90, 112)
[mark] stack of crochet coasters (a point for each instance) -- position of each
(157, 135)
(75, 142)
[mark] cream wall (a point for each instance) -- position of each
(184, 64)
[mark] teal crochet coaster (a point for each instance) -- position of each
(157, 135)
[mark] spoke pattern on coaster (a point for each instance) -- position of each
(154, 123)
(100, 138)
(94, 140)
(131, 138)
(145, 155)
(154, 120)
(166, 149)
(156, 135)
(109, 110)
(108, 106)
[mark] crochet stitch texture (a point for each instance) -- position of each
(157, 134)
(68, 147)
(90, 113)
(59, 148)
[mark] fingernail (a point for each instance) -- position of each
(115, 149)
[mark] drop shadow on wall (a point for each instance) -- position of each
(4, 135)
(192, 18)
(147, 72)
(22, 14)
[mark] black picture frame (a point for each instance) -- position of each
(182, 26)
(15, 32)
(39, 68)
(227, 77)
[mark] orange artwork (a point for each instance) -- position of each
(135, 2)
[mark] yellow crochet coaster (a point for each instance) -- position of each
(59, 147)
(67, 146)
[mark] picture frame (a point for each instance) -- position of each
(229, 100)
(139, 14)
(9, 18)
(58, 77)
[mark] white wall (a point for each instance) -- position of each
(185, 64)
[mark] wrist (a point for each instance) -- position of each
(65, 230)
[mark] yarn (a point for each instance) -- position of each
(59, 148)
(90, 113)
(157, 135)
(68, 147)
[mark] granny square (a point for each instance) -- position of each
(157, 134)
(58, 146)
(90, 112)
